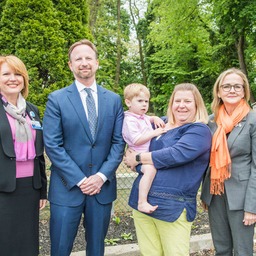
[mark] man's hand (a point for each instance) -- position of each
(92, 185)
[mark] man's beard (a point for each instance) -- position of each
(84, 75)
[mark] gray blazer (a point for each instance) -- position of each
(240, 188)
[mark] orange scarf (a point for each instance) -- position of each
(220, 161)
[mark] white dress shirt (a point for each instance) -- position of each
(83, 94)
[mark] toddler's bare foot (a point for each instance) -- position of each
(146, 207)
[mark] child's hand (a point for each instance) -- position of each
(159, 131)
(158, 122)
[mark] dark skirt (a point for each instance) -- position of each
(19, 220)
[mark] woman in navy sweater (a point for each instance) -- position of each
(181, 157)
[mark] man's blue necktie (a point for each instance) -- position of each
(92, 116)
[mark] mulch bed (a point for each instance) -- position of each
(122, 231)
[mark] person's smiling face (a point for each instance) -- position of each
(183, 107)
(83, 63)
(11, 82)
(232, 98)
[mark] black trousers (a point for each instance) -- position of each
(19, 220)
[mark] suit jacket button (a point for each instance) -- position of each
(64, 182)
(93, 146)
(90, 165)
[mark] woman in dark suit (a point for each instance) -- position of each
(229, 187)
(22, 166)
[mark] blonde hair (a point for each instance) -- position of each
(133, 90)
(82, 42)
(201, 112)
(16, 64)
(217, 102)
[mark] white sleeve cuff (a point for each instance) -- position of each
(81, 181)
(104, 178)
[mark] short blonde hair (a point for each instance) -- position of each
(82, 42)
(201, 115)
(217, 102)
(19, 67)
(133, 90)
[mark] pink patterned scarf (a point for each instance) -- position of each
(23, 144)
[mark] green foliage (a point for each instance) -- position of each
(116, 219)
(112, 241)
(126, 236)
(194, 41)
(106, 32)
(40, 33)
(183, 41)
(178, 50)
(33, 35)
(2, 5)
(235, 20)
(73, 17)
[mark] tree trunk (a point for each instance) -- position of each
(94, 8)
(118, 61)
(142, 64)
(142, 61)
(242, 64)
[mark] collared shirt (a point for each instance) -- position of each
(134, 127)
(83, 94)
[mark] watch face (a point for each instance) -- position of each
(138, 158)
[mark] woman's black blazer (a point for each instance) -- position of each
(7, 155)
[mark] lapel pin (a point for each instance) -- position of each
(32, 115)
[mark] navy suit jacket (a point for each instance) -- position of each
(7, 155)
(73, 152)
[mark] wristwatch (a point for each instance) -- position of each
(138, 158)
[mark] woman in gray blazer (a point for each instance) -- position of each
(229, 186)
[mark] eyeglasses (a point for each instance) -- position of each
(228, 87)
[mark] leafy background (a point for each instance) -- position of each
(154, 42)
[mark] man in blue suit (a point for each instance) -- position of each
(83, 139)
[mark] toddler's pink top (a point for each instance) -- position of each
(133, 127)
(23, 168)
